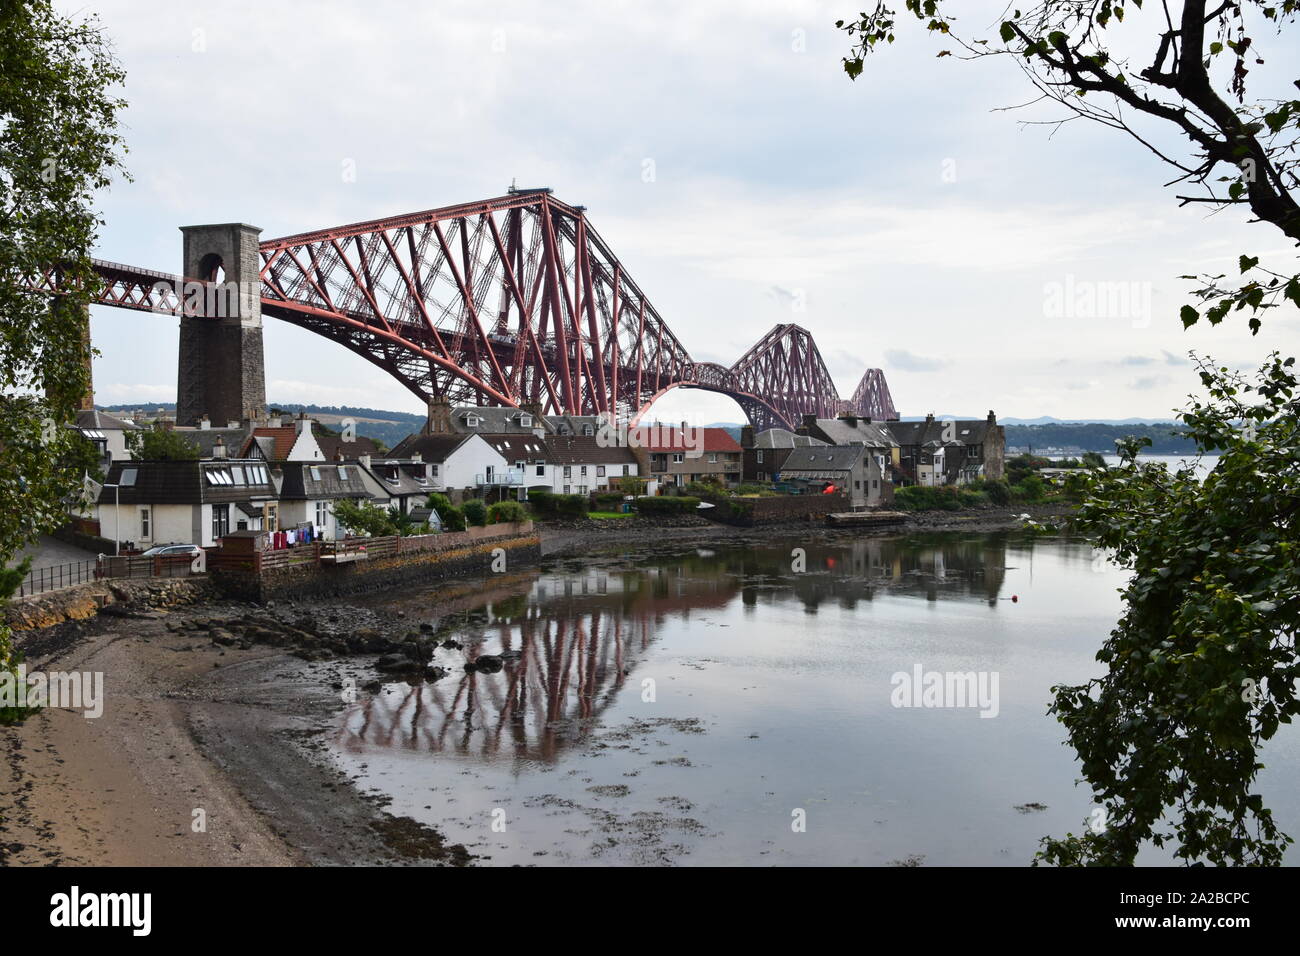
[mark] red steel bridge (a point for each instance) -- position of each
(513, 301)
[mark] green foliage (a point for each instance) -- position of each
(1202, 666)
(608, 500)
(162, 444)
(667, 505)
(755, 488)
(366, 517)
(475, 511)
(1092, 459)
(629, 484)
(453, 519)
(1031, 488)
(997, 490)
(58, 146)
(922, 498)
(504, 511)
(10, 579)
(547, 504)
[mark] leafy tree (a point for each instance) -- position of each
(1237, 151)
(366, 517)
(59, 145)
(160, 444)
(1202, 666)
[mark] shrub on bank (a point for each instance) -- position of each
(547, 504)
(506, 511)
(475, 511)
(667, 505)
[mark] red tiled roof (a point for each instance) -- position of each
(284, 436)
(670, 438)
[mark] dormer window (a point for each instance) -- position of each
(526, 421)
(471, 420)
(588, 430)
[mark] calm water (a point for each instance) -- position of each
(688, 705)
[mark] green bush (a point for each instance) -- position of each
(998, 490)
(608, 500)
(666, 505)
(453, 519)
(365, 518)
(921, 498)
(547, 504)
(475, 511)
(506, 511)
(1030, 488)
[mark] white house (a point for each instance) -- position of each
(308, 492)
(186, 502)
(580, 464)
(456, 461)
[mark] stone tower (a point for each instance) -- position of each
(220, 370)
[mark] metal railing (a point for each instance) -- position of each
(500, 478)
(57, 576)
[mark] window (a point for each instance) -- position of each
(526, 421)
(541, 471)
(588, 430)
(322, 514)
(568, 472)
(759, 456)
(271, 516)
(220, 521)
(315, 473)
(625, 471)
(144, 524)
(762, 476)
(127, 478)
(678, 458)
(600, 471)
(566, 489)
(471, 420)
(343, 472)
(433, 469)
(583, 471)
(713, 458)
(237, 472)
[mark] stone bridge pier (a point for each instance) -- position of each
(221, 370)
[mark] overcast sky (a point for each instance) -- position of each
(900, 218)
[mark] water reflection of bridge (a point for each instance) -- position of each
(573, 639)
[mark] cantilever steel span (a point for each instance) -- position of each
(510, 301)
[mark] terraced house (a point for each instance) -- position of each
(679, 455)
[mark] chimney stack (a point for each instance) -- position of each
(365, 461)
(747, 436)
(438, 420)
(219, 448)
(204, 423)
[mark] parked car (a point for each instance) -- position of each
(172, 551)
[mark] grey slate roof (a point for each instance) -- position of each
(492, 420)
(96, 420)
(843, 432)
(819, 460)
(204, 438)
(429, 447)
(584, 450)
(573, 424)
(305, 480)
(525, 447)
(931, 432)
(781, 438)
(187, 482)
